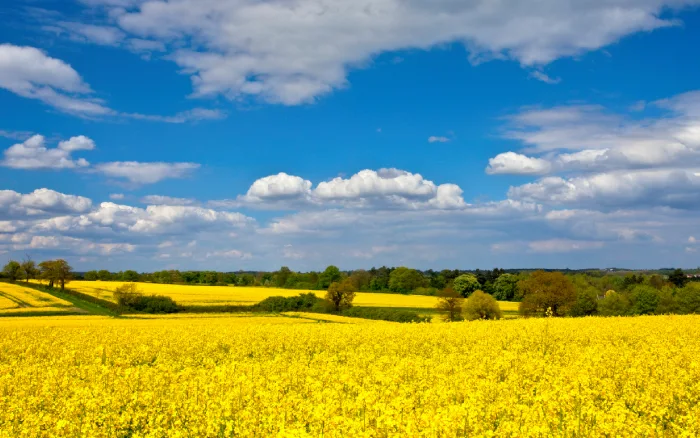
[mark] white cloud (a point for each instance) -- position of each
(437, 139)
(692, 239)
(231, 253)
(671, 187)
(382, 183)
(563, 245)
(116, 196)
(40, 202)
(543, 77)
(193, 115)
(271, 51)
(33, 154)
(30, 73)
(279, 187)
(101, 35)
(166, 200)
(518, 164)
(145, 173)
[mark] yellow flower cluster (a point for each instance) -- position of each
(191, 295)
(16, 298)
(258, 376)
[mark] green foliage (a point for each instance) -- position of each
(404, 280)
(12, 270)
(678, 278)
(466, 284)
(667, 302)
(341, 295)
(481, 305)
(586, 303)
(450, 303)
(56, 272)
(384, 314)
(128, 296)
(330, 275)
(688, 299)
(546, 291)
(29, 269)
(644, 299)
(300, 303)
(614, 304)
(505, 288)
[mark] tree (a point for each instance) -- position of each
(466, 284)
(481, 305)
(450, 302)
(404, 280)
(29, 269)
(341, 294)
(505, 288)
(586, 302)
(645, 299)
(678, 278)
(12, 270)
(656, 281)
(543, 291)
(282, 276)
(91, 275)
(56, 272)
(360, 279)
(688, 299)
(330, 275)
(104, 275)
(614, 304)
(130, 276)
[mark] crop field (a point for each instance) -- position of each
(287, 375)
(189, 295)
(16, 299)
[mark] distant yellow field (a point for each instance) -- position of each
(218, 295)
(16, 298)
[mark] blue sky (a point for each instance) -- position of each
(249, 135)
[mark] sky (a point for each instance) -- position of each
(254, 134)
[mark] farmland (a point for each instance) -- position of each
(252, 375)
(16, 299)
(187, 295)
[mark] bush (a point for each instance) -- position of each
(429, 291)
(308, 302)
(127, 295)
(384, 314)
(480, 305)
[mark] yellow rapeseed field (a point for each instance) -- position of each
(190, 295)
(247, 375)
(17, 299)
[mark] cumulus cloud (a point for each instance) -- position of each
(33, 154)
(271, 51)
(40, 202)
(145, 173)
(518, 164)
(279, 187)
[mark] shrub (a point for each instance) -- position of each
(304, 302)
(127, 295)
(384, 314)
(480, 305)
